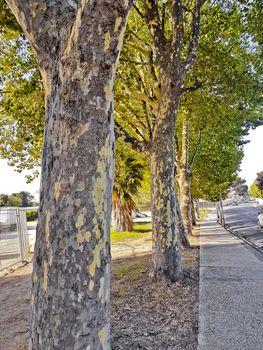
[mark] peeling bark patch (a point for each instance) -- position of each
(57, 187)
(96, 260)
(81, 218)
(87, 236)
(46, 83)
(48, 216)
(101, 335)
(92, 268)
(108, 92)
(44, 284)
(107, 42)
(101, 290)
(117, 24)
(80, 238)
(91, 285)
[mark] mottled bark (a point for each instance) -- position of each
(184, 178)
(172, 70)
(193, 213)
(166, 255)
(196, 207)
(121, 215)
(77, 47)
(185, 203)
(182, 232)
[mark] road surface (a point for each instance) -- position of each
(242, 219)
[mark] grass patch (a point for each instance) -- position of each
(132, 272)
(203, 213)
(140, 230)
(194, 241)
(142, 227)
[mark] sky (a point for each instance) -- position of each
(253, 160)
(11, 181)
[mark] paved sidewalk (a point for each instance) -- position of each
(231, 291)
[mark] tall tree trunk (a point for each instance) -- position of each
(184, 180)
(185, 204)
(166, 255)
(196, 206)
(182, 232)
(172, 70)
(193, 212)
(77, 46)
(121, 215)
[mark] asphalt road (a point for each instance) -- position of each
(242, 219)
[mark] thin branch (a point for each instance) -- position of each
(135, 62)
(178, 30)
(163, 16)
(146, 111)
(196, 151)
(120, 132)
(193, 46)
(154, 22)
(194, 87)
(138, 11)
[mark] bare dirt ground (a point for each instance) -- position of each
(144, 314)
(14, 306)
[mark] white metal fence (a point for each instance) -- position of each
(14, 246)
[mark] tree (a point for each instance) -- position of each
(184, 167)
(255, 191)
(239, 187)
(259, 182)
(14, 200)
(222, 59)
(129, 171)
(161, 55)
(21, 199)
(77, 48)
(228, 80)
(3, 200)
(27, 200)
(21, 99)
(175, 57)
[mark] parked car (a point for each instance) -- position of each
(260, 218)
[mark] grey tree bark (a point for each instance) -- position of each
(193, 212)
(184, 168)
(184, 180)
(77, 46)
(182, 232)
(166, 255)
(172, 70)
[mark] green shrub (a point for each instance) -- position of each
(32, 215)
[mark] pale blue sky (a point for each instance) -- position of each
(11, 181)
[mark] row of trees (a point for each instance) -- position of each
(21, 199)
(184, 99)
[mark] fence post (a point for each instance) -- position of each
(19, 235)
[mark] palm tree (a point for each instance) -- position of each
(129, 171)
